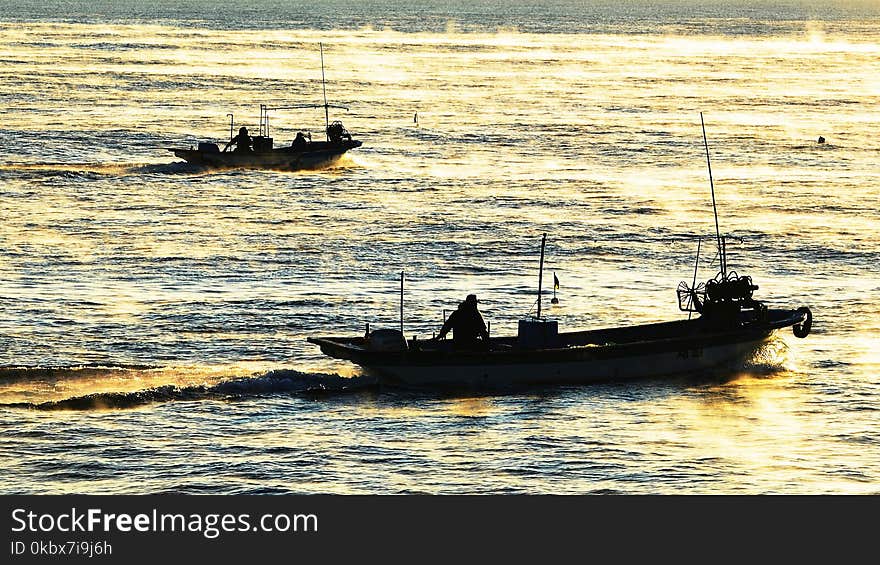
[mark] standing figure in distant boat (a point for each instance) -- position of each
(242, 141)
(466, 323)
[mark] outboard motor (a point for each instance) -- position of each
(724, 301)
(336, 132)
(731, 288)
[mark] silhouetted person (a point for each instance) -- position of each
(821, 139)
(466, 323)
(300, 141)
(242, 141)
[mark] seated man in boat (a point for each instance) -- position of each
(300, 141)
(242, 141)
(467, 324)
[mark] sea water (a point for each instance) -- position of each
(154, 315)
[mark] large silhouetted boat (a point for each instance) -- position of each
(729, 328)
(261, 151)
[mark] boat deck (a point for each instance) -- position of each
(657, 336)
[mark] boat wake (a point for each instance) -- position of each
(102, 169)
(770, 357)
(128, 395)
(175, 168)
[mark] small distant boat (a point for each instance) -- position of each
(261, 152)
(305, 154)
(730, 327)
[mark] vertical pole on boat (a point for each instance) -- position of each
(401, 302)
(231, 125)
(714, 207)
(724, 254)
(324, 85)
(694, 284)
(541, 273)
(264, 120)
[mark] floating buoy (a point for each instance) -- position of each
(554, 300)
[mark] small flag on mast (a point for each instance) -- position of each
(555, 282)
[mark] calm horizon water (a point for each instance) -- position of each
(154, 315)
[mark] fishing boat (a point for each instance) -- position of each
(729, 327)
(261, 152)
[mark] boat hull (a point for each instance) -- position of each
(285, 159)
(649, 351)
(587, 369)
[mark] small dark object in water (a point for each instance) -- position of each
(821, 139)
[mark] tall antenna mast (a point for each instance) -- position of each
(324, 84)
(714, 207)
